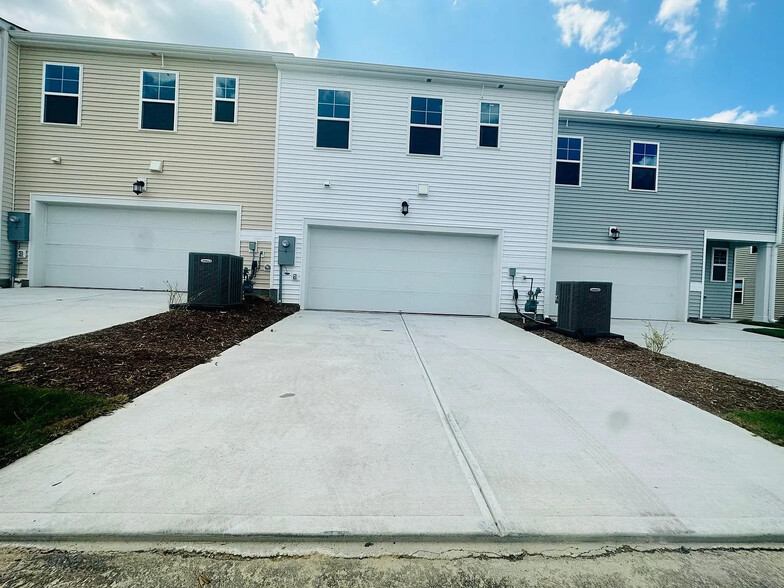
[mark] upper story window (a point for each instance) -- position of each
(224, 105)
(644, 173)
(333, 119)
(424, 132)
(489, 124)
(159, 100)
(719, 259)
(62, 94)
(569, 161)
(737, 291)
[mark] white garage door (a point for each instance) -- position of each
(379, 270)
(645, 285)
(129, 248)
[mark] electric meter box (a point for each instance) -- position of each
(18, 226)
(286, 250)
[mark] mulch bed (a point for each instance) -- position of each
(132, 358)
(713, 391)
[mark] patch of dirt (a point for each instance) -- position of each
(713, 391)
(132, 358)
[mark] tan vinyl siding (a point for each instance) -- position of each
(203, 161)
(746, 268)
(8, 158)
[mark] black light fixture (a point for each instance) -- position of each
(138, 187)
(404, 207)
(615, 233)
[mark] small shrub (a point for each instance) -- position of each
(656, 340)
(176, 296)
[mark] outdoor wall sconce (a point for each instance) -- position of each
(139, 186)
(615, 233)
(404, 207)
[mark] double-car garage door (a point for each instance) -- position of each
(125, 247)
(393, 270)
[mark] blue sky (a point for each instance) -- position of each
(735, 60)
(674, 58)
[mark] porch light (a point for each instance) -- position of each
(139, 186)
(404, 207)
(615, 233)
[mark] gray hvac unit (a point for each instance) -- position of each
(214, 280)
(584, 308)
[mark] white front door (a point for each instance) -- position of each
(388, 270)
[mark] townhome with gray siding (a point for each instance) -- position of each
(662, 207)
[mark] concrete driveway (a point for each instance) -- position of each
(31, 316)
(724, 347)
(333, 424)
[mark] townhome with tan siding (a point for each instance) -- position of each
(88, 119)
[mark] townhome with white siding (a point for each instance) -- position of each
(410, 189)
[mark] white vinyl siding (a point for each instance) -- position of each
(504, 190)
(203, 161)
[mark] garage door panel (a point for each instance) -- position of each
(645, 285)
(361, 269)
(104, 246)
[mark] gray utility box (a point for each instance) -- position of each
(287, 247)
(214, 280)
(584, 308)
(18, 226)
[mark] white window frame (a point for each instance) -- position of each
(176, 98)
(632, 165)
(350, 120)
(78, 96)
(426, 126)
(742, 290)
(582, 149)
(481, 124)
(215, 99)
(726, 264)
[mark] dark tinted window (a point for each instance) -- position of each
(332, 134)
(488, 136)
(569, 148)
(567, 173)
(643, 178)
(61, 109)
(719, 273)
(224, 111)
(426, 111)
(424, 140)
(158, 116)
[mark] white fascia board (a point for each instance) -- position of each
(740, 236)
(621, 248)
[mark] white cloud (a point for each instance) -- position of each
(591, 28)
(721, 7)
(677, 17)
(598, 87)
(736, 115)
(272, 25)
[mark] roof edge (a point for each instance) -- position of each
(670, 123)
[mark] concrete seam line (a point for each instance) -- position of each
(476, 479)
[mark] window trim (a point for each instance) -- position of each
(481, 124)
(582, 149)
(742, 290)
(350, 121)
(725, 265)
(215, 99)
(751, 249)
(632, 166)
(426, 126)
(176, 98)
(44, 94)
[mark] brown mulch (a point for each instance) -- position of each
(713, 391)
(132, 358)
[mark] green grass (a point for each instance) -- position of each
(32, 417)
(761, 324)
(768, 424)
(769, 332)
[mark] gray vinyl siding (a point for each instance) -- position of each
(8, 157)
(706, 181)
(745, 268)
(718, 295)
